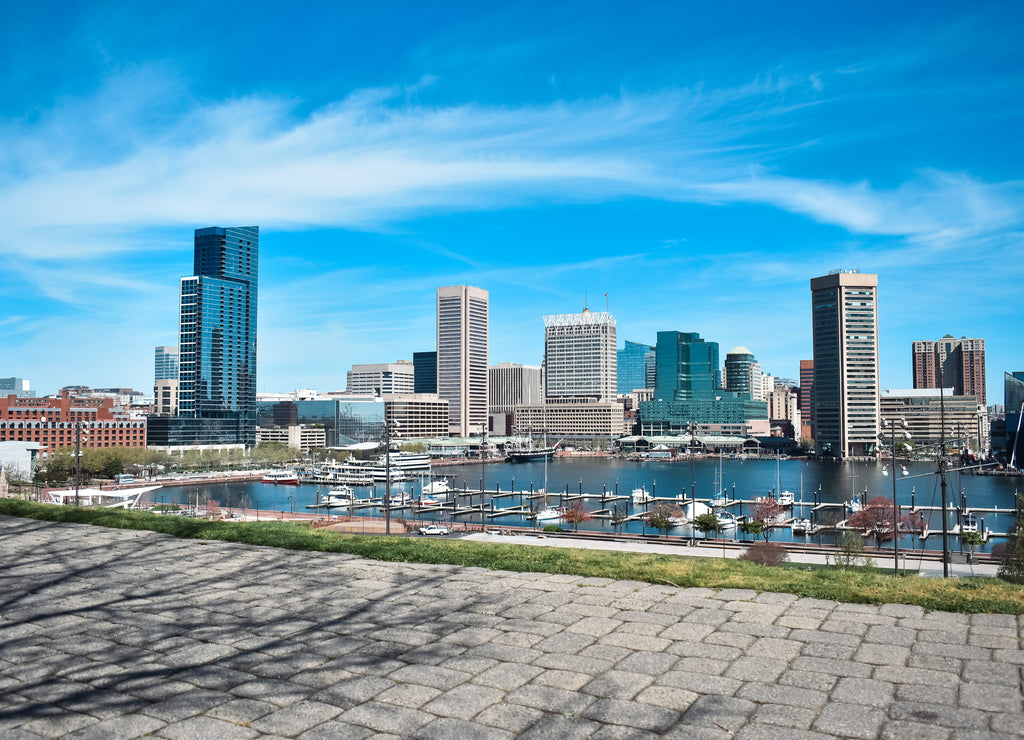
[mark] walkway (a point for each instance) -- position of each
(116, 634)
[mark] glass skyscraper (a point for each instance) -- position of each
(217, 342)
(635, 367)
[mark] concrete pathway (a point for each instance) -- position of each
(116, 634)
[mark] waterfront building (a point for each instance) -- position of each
(635, 367)
(510, 384)
(302, 437)
(381, 378)
(418, 415)
(165, 384)
(950, 362)
(580, 361)
(16, 386)
(688, 391)
(806, 399)
(1013, 397)
(844, 321)
(424, 372)
(53, 423)
(924, 410)
(571, 420)
(216, 344)
(462, 348)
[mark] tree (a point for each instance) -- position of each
(1011, 568)
(875, 519)
(663, 517)
(707, 523)
(765, 553)
(751, 526)
(577, 513)
(767, 511)
(851, 551)
(618, 517)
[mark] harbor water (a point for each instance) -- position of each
(608, 483)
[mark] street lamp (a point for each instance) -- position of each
(895, 517)
(78, 457)
(388, 423)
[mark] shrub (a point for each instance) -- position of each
(851, 551)
(552, 528)
(765, 553)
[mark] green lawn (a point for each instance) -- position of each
(856, 585)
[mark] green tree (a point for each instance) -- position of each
(663, 517)
(707, 523)
(751, 526)
(767, 511)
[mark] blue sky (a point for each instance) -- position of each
(698, 162)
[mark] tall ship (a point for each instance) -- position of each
(518, 452)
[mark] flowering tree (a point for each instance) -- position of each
(576, 513)
(875, 519)
(767, 512)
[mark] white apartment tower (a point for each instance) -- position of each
(580, 361)
(462, 315)
(844, 322)
(381, 378)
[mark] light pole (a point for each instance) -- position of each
(388, 423)
(483, 473)
(78, 458)
(895, 516)
(693, 486)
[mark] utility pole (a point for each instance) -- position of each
(78, 458)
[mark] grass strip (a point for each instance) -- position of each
(851, 585)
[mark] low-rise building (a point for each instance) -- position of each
(924, 411)
(574, 420)
(64, 422)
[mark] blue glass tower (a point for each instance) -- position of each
(635, 367)
(217, 336)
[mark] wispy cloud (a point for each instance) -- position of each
(375, 157)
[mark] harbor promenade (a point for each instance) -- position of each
(116, 634)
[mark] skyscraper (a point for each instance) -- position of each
(580, 362)
(424, 371)
(960, 362)
(807, 398)
(844, 320)
(216, 343)
(635, 367)
(739, 372)
(511, 385)
(462, 346)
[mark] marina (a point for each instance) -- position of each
(825, 495)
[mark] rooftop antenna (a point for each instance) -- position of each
(606, 303)
(586, 302)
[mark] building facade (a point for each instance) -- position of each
(16, 386)
(924, 410)
(580, 360)
(807, 399)
(216, 344)
(844, 320)
(739, 372)
(424, 372)
(634, 367)
(53, 423)
(571, 420)
(510, 384)
(951, 362)
(418, 415)
(297, 436)
(688, 391)
(165, 384)
(462, 351)
(381, 378)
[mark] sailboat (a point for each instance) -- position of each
(783, 498)
(547, 513)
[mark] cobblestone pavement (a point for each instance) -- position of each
(114, 634)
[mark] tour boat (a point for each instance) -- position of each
(289, 477)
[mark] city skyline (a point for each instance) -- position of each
(696, 164)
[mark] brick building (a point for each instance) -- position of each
(53, 422)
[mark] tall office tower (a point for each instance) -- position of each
(381, 378)
(687, 367)
(844, 320)
(1013, 395)
(424, 365)
(739, 372)
(634, 367)
(462, 356)
(959, 362)
(217, 334)
(511, 385)
(580, 362)
(165, 384)
(807, 398)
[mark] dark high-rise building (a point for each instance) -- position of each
(739, 366)
(217, 343)
(959, 362)
(424, 372)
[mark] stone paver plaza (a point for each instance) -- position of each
(113, 634)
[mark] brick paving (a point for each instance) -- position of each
(117, 634)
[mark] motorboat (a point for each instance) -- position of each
(800, 526)
(726, 520)
(641, 495)
(969, 523)
(336, 498)
(785, 498)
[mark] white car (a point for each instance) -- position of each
(434, 529)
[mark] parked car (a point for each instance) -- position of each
(434, 529)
